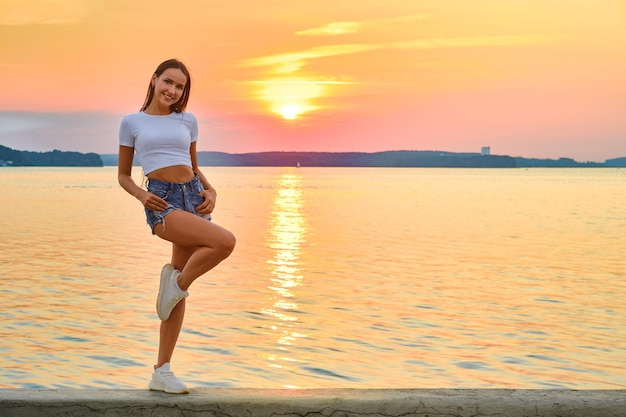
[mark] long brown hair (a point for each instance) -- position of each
(181, 104)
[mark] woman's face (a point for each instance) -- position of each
(168, 87)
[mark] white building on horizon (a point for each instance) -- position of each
(485, 150)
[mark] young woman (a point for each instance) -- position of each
(178, 201)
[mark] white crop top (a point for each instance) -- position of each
(159, 141)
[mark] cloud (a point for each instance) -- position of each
(293, 61)
(46, 12)
(334, 28)
(342, 28)
(473, 42)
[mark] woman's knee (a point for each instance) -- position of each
(227, 243)
(223, 243)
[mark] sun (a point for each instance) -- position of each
(290, 98)
(290, 111)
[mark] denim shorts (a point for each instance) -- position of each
(179, 196)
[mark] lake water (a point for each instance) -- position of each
(342, 277)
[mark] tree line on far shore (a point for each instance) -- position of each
(11, 157)
(433, 159)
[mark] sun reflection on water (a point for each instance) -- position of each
(287, 232)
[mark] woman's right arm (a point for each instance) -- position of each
(125, 179)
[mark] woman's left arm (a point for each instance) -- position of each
(209, 193)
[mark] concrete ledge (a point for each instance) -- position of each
(227, 402)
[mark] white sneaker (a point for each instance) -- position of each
(169, 292)
(164, 380)
(166, 271)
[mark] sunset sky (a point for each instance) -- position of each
(532, 78)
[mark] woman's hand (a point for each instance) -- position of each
(151, 201)
(209, 202)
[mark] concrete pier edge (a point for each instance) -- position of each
(243, 402)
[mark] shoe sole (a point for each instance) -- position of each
(158, 386)
(165, 274)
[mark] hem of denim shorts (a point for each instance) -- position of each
(161, 217)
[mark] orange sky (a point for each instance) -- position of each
(533, 78)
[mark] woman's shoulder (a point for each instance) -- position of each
(187, 115)
(133, 116)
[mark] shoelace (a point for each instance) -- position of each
(174, 301)
(167, 375)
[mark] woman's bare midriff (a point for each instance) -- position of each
(176, 173)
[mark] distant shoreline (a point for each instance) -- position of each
(56, 158)
(391, 159)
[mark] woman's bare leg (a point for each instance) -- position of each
(212, 243)
(168, 335)
(170, 328)
(197, 247)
